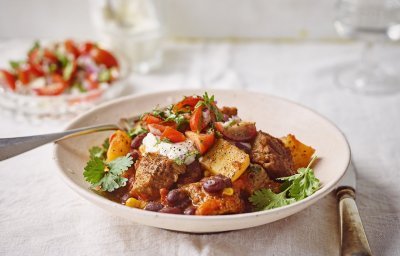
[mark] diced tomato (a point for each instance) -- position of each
(7, 78)
(242, 131)
(87, 47)
(35, 71)
(197, 121)
(37, 57)
(171, 124)
(71, 47)
(102, 56)
(92, 85)
(150, 119)
(56, 87)
(24, 75)
(188, 103)
(156, 129)
(219, 126)
(173, 135)
(35, 60)
(202, 141)
(50, 56)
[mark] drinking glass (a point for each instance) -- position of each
(370, 21)
(131, 28)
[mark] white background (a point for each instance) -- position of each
(184, 18)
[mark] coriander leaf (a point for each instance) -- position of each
(137, 131)
(62, 59)
(158, 112)
(36, 45)
(304, 186)
(106, 144)
(209, 102)
(16, 64)
(110, 182)
(295, 188)
(265, 199)
(182, 159)
(79, 86)
(120, 164)
(179, 119)
(94, 170)
(96, 152)
(112, 179)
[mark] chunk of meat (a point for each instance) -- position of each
(272, 155)
(229, 111)
(255, 178)
(154, 172)
(213, 203)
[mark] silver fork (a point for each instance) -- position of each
(10, 147)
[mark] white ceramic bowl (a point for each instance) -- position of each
(273, 115)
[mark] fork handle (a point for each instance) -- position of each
(354, 241)
(10, 147)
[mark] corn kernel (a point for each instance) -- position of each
(207, 173)
(133, 202)
(228, 191)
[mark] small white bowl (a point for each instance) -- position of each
(273, 115)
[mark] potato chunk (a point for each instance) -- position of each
(120, 144)
(301, 153)
(226, 159)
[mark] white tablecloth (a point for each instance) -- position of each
(41, 216)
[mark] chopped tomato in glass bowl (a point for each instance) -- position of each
(58, 78)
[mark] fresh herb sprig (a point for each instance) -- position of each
(295, 188)
(182, 160)
(103, 175)
(100, 152)
(137, 130)
(209, 102)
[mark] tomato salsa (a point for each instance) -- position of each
(65, 67)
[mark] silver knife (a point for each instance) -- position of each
(353, 240)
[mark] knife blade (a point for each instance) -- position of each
(349, 178)
(353, 240)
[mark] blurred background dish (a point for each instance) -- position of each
(132, 28)
(58, 79)
(372, 22)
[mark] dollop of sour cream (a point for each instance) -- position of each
(183, 152)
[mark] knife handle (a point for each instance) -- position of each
(353, 238)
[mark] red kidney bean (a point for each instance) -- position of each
(246, 147)
(134, 154)
(172, 210)
(214, 184)
(191, 210)
(153, 206)
(176, 196)
(137, 141)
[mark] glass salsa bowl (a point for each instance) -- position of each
(53, 107)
